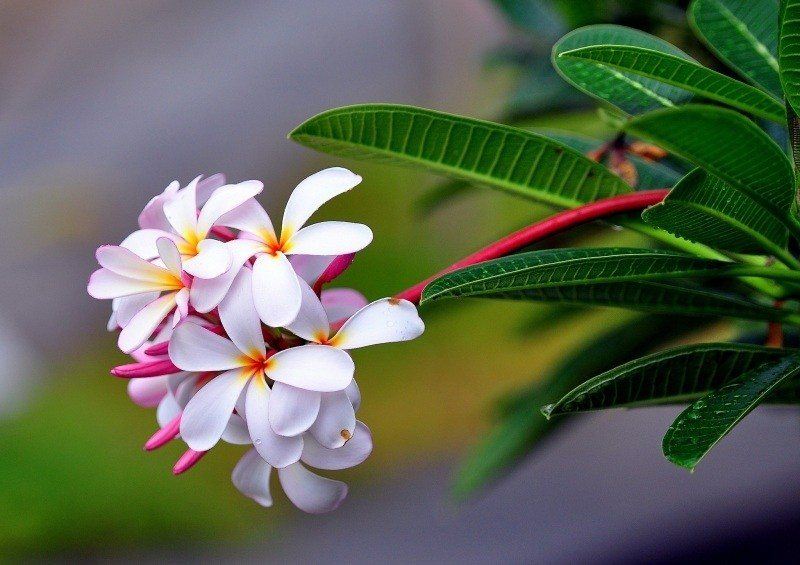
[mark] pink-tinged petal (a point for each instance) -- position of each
(311, 322)
(383, 321)
(341, 303)
(104, 284)
(236, 431)
(207, 186)
(336, 421)
(181, 211)
(207, 413)
(152, 216)
(276, 450)
(145, 322)
(310, 267)
(251, 478)
(312, 193)
(194, 348)
(352, 453)
(126, 263)
(127, 306)
(212, 260)
(181, 306)
(145, 369)
(276, 290)
(206, 294)
(147, 392)
(329, 238)
(250, 217)
(167, 411)
(310, 492)
(223, 200)
(312, 367)
(239, 318)
(189, 459)
(143, 242)
(164, 435)
(354, 395)
(335, 269)
(170, 256)
(292, 410)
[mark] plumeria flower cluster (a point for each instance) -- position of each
(234, 337)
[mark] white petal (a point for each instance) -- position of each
(128, 306)
(354, 394)
(212, 259)
(251, 218)
(169, 254)
(336, 421)
(276, 290)
(126, 263)
(104, 284)
(183, 386)
(239, 318)
(193, 348)
(276, 450)
(147, 392)
(152, 215)
(383, 321)
(236, 431)
(181, 305)
(112, 324)
(207, 414)
(251, 478)
(341, 303)
(312, 367)
(143, 242)
(310, 267)
(167, 410)
(206, 294)
(223, 200)
(311, 322)
(352, 453)
(292, 410)
(312, 193)
(310, 492)
(145, 322)
(207, 186)
(330, 238)
(181, 211)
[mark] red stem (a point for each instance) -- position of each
(552, 225)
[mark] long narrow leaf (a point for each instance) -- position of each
(503, 157)
(703, 424)
(789, 52)
(685, 74)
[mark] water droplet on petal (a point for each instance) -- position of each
(257, 441)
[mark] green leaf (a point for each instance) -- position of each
(703, 424)
(705, 209)
(503, 157)
(641, 279)
(789, 52)
(726, 144)
(521, 427)
(685, 74)
(631, 93)
(678, 375)
(743, 34)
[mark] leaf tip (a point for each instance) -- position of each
(547, 410)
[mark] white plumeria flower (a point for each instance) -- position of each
(244, 359)
(308, 491)
(152, 291)
(329, 416)
(203, 257)
(275, 283)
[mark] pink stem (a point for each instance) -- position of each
(164, 435)
(552, 225)
(188, 460)
(146, 369)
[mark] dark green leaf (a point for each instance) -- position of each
(726, 144)
(789, 52)
(703, 424)
(707, 210)
(685, 74)
(744, 34)
(481, 152)
(678, 375)
(629, 92)
(641, 279)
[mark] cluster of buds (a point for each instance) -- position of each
(234, 338)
